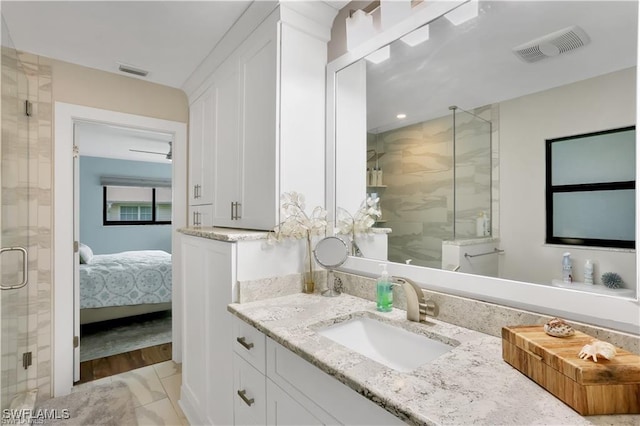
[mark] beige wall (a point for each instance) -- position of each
(80, 85)
(600, 103)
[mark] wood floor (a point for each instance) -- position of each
(120, 363)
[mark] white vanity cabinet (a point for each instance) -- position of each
(210, 271)
(208, 274)
(267, 122)
(274, 386)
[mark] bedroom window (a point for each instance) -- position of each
(591, 189)
(136, 205)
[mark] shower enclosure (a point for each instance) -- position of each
(437, 183)
(471, 174)
(15, 230)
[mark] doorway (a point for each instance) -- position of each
(66, 175)
(123, 206)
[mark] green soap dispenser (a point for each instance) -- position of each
(384, 291)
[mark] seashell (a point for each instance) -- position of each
(597, 347)
(558, 328)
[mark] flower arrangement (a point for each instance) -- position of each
(297, 224)
(360, 223)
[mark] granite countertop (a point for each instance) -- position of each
(224, 234)
(234, 234)
(471, 384)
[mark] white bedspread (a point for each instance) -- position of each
(127, 278)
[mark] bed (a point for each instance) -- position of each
(123, 284)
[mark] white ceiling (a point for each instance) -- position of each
(103, 140)
(472, 65)
(167, 38)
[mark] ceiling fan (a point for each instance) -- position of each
(168, 155)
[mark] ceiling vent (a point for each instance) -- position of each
(553, 44)
(133, 70)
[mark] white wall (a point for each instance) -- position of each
(525, 123)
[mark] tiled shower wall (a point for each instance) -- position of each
(39, 74)
(418, 200)
(35, 186)
(14, 196)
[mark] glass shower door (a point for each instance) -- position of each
(14, 225)
(472, 178)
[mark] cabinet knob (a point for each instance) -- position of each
(243, 342)
(243, 395)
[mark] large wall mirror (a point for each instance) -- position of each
(457, 119)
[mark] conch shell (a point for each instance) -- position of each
(597, 347)
(558, 328)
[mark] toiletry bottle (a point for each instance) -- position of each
(480, 225)
(566, 268)
(374, 176)
(379, 176)
(588, 272)
(486, 225)
(384, 293)
(368, 176)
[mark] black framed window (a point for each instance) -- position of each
(590, 190)
(136, 205)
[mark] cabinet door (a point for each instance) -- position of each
(249, 393)
(221, 259)
(201, 215)
(227, 146)
(194, 382)
(196, 135)
(258, 133)
(201, 122)
(282, 409)
(208, 274)
(205, 193)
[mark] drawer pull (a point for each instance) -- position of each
(243, 394)
(243, 342)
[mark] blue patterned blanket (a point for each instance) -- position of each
(127, 278)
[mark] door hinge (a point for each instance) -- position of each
(27, 360)
(76, 341)
(76, 247)
(76, 151)
(28, 108)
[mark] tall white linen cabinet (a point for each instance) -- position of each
(257, 130)
(257, 124)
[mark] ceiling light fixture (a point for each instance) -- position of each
(416, 37)
(401, 116)
(133, 70)
(463, 13)
(379, 55)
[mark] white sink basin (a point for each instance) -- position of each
(392, 346)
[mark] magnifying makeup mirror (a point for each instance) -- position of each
(330, 252)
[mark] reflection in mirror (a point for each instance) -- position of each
(450, 134)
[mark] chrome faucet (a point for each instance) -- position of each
(417, 307)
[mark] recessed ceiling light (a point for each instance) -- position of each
(401, 116)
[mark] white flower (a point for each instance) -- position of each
(362, 221)
(295, 222)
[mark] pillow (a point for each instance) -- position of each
(85, 253)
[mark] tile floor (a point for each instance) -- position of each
(156, 390)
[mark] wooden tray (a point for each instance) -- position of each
(605, 387)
